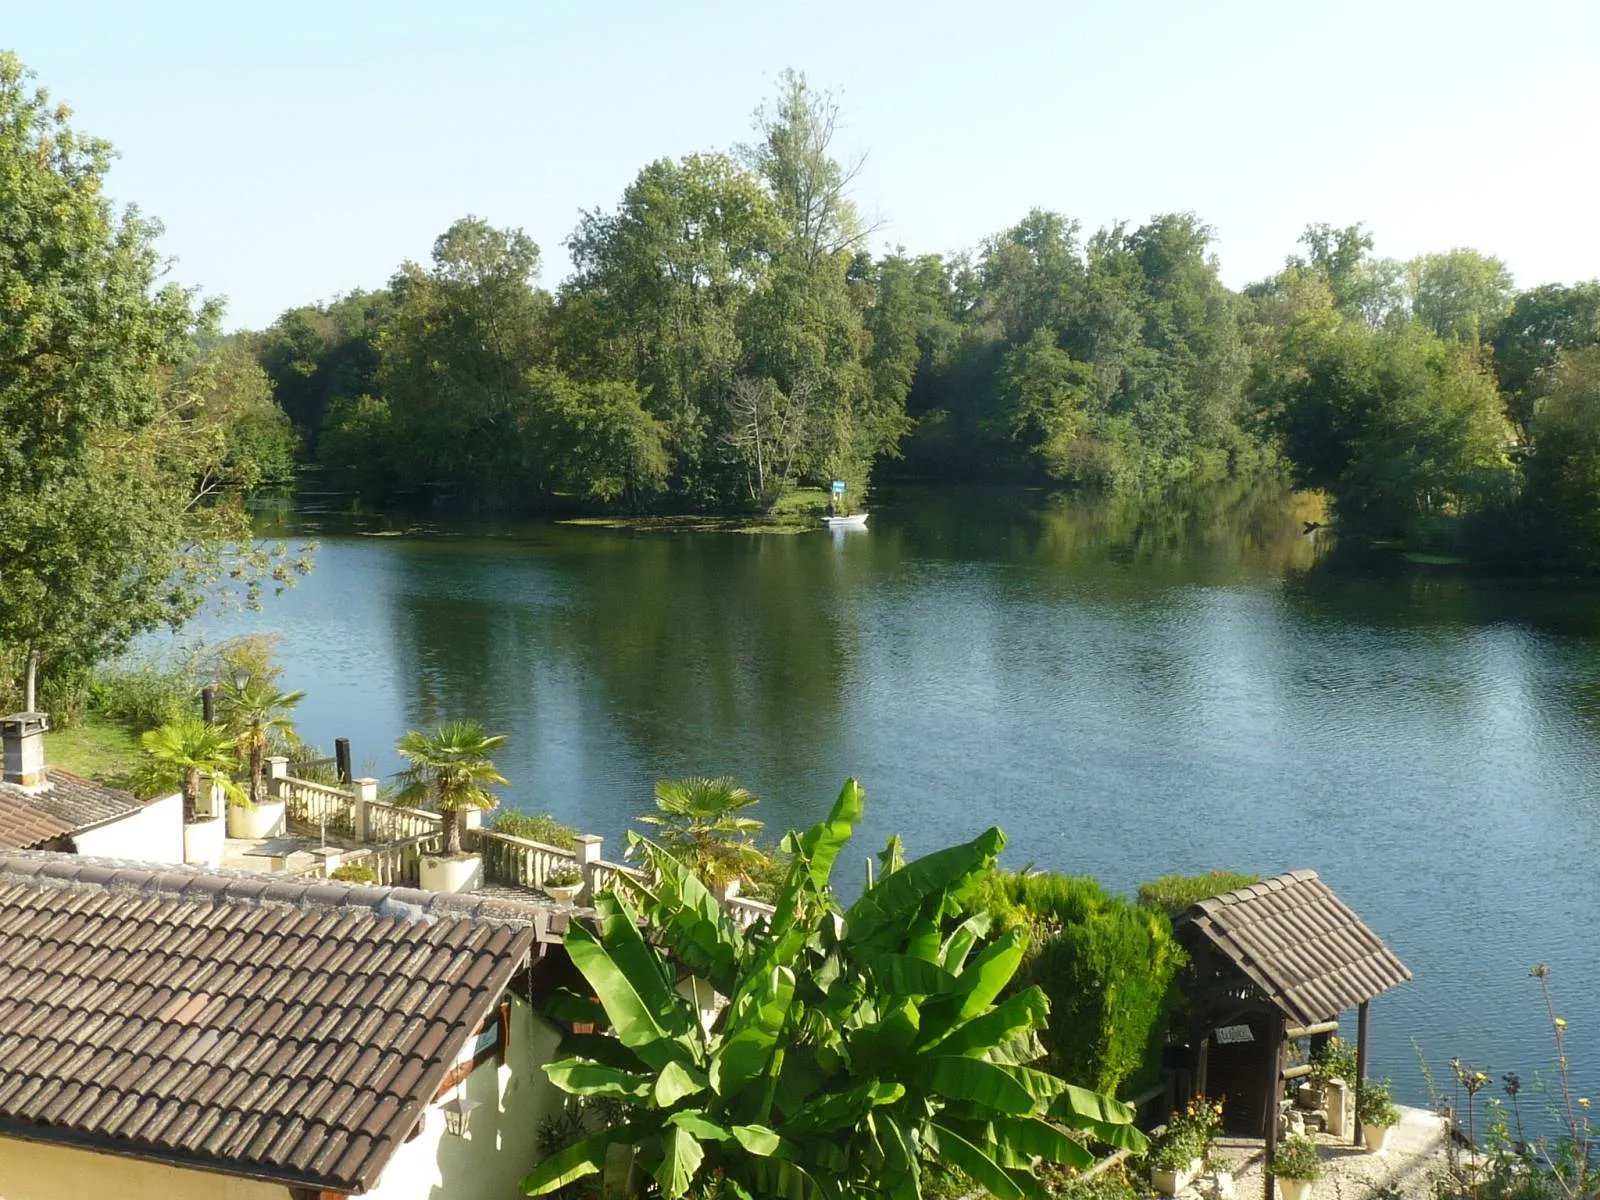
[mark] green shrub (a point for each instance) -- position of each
(537, 827)
(1334, 1059)
(1374, 1105)
(1297, 1158)
(1106, 966)
(144, 695)
(1175, 894)
(1189, 1134)
(354, 873)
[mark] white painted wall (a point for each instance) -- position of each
(31, 1171)
(504, 1129)
(153, 834)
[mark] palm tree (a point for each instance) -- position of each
(183, 753)
(252, 711)
(450, 767)
(700, 826)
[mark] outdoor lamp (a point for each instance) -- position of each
(457, 1112)
(241, 679)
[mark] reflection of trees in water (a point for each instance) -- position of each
(707, 654)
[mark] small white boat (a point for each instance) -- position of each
(853, 521)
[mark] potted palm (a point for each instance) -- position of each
(700, 823)
(195, 759)
(451, 770)
(1296, 1166)
(1376, 1111)
(563, 882)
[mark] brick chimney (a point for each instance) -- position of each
(22, 735)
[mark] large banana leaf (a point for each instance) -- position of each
(1017, 1014)
(702, 935)
(676, 1081)
(980, 982)
(907, 975)
(885, 907)
(780, 1179)
(1080, 1104)
(752, 1029)
(964, 1155)
(976, 1082)
(820, 845)
(582, 1158)
(959, 943)
(583, 1078)
(648, 975)
(1026, 1138)
(681, 1156)
(628, 1013)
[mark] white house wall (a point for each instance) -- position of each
(504, 1129)
(153, 834)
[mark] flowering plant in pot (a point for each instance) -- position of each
(1376, 1111)
(1296, 1166)
(563, 882)
(1181, 1151)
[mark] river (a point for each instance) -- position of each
(1126, 694)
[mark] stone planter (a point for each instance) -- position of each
(265, 820)
(1169, 1181)
(203, 842)
(1374, 1137)
(566, 893)
(1294, 1189)
(463, 873)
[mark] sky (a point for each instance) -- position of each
(297, 150)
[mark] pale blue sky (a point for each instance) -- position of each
(299, 149)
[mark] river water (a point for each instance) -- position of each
(1125, 693)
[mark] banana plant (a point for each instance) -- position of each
(856, 1046)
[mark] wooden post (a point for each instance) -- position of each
(341, 758)
(208, 704)
(1275, 1044)
(1202, 1061)
(1361, 1066)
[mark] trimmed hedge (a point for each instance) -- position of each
(1106, 966)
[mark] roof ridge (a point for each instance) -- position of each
(220, 887)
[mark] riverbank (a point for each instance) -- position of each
(797, 511)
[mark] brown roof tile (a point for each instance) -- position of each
(279, 1030)
(71, 804)
(1299, 944)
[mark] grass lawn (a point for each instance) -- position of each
(95, 748)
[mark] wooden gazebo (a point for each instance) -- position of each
(1269, 963)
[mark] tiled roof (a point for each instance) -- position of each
(71, 804)
(234, 1022)
(1300, 944)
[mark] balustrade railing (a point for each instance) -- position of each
(391, 823)
(399, 864)
(746, 912)
(312, 807)
(519, 862)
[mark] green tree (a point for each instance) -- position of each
(230, 395)
(321, 354)
(181, 756)
(451, 769)
(1401, 428)
(860, 1050)
(456, 351)
(115, 516)
(1044, 399)
(1564, 470)
(1543, 323)
(1461, 294)
(596, 440)
(702, 828)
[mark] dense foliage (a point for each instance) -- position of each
(1105, 964)
(125, 448)
(857, 1047)
(726, 335)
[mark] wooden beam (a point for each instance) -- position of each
(1299, 1072)
(1275, 1045)
(1302, 1031)
(1361, 1066)
(1202, 1062)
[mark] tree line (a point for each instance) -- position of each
(725, 336)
